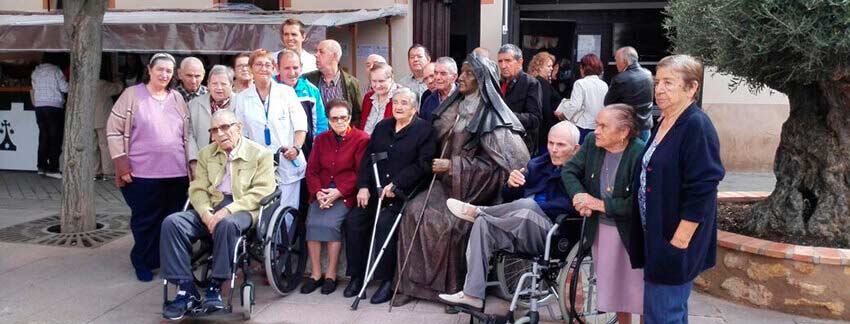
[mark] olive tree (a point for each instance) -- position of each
(801, 48)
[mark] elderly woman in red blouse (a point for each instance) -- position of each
(331, 182)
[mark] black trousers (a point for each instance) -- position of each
(150, 201)
(180, 230)
(358, 232)
(51, 125)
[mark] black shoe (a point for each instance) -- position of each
(353, 287)
(183, 303)
(329, 286)
(310, 285)
(452, 309)
(384, 293)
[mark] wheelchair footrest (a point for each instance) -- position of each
(203, 312)
(480, 315)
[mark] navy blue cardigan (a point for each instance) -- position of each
(681, 183)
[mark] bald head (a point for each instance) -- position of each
(563, 142)
(328, 54)
(372, 59)
(191, 73)
(483, 52)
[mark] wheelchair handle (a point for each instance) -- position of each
(268, 199)
(562, 218)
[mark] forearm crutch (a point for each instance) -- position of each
(375, 158)
(419, 220)
(371, 271)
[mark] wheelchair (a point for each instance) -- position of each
(277, 241)
(563, 275)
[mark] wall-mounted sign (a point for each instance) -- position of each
(18, 138)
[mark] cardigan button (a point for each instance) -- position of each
(648, 189)
(649, 169)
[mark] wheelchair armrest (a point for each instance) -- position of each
(562, 219)
(268, 199)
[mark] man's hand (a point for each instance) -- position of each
(289, 153)
(363, 197)
(441, 165)
(560, 115)
(516, 178)
(388, 191)
(192, 166)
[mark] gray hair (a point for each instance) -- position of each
(219, 69)
(449, 63)
(629, 54)
(378, 58)
(388, 70)
(626, 118)
(570, 128)
(289, 52)
(511, 49)
(412, 95)
(226, 114)
(333, 47)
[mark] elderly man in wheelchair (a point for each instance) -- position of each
(232, 176)
(521, 226)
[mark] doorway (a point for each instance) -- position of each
(555, 36)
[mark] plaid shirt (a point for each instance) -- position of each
(188, 96)
(48, 85)
(331, 90)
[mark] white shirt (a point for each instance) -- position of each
(285, 117)
(587, 99)
(308, 61)
(48, 85)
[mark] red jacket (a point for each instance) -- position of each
(367, 106)
(337, 162)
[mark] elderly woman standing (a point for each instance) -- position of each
(331, 184)
(598, 179)
(220, 86)
(273, 116)
(587, 97)
(540, 68)
(677, 193)
(243, 72)
(377, 103)
(148, 135)
(408, 144)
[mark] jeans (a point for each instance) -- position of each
(666, 304)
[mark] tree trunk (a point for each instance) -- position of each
(812, 168)
(83, 20)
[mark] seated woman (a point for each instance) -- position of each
(598, 179)
(409, 145)
(331, 179)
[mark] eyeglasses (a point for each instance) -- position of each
(242, 66)
(268, 66)
(337, 119)
(223, 128)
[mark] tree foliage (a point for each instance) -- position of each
(782, 44)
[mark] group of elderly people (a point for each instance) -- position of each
(650, 206)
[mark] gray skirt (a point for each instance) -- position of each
(325, 225)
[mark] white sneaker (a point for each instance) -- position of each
(54, 175)
(461, 299)
(461, 209)
(41, 172)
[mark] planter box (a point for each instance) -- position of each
(803, 280)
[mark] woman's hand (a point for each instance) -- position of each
(388, 191)
(329, 196)
(586, 201)
(127, 178)
(363, 197)
(289, 153)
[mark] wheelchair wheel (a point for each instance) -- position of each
(508, 271)
(247, 300)
(577, 288)
(285, 250)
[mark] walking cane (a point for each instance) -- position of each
(375, 158)
(419, 220)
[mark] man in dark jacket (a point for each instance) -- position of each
(537, 197)
(522, 94)
(632, 86)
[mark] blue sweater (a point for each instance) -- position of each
(543, 184)
(681, 183)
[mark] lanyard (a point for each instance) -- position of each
(266, 132)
